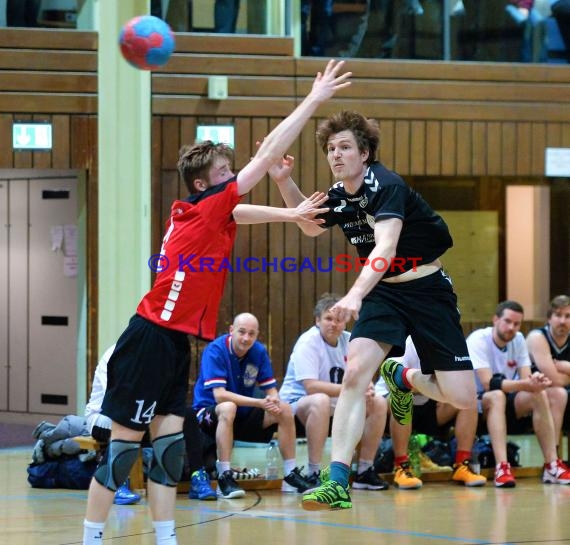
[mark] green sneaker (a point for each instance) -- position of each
(325, 474)
(401, 402)
(330, 495)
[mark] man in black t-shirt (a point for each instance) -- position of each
(401, 290)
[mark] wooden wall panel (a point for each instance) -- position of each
(402, 147)
(480, 142)
(522, 151)
(434, 145)
(448, 149)
(508, 147)
(464, 146)
(418, 147)
(537, 149)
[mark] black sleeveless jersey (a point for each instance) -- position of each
(384, 194)
(558, 353)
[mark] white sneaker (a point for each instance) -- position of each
(556, 473)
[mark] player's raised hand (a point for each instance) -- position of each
(327, 83)
(281, 171)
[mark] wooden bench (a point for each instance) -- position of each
(136, 476)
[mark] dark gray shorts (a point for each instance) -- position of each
(248, 428)
(426, 309)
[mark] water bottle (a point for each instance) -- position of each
(273, 458)
(414, 455)
(475, 462)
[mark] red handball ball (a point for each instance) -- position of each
(146, 42)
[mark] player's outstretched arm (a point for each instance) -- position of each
(280, 173)
(278, 141)
(305, 212)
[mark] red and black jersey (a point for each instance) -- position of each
(196, 248)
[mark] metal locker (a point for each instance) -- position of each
(52, 296)
(3, 295)
(17, 312)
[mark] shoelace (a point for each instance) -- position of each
(407, 472)
(330, 492)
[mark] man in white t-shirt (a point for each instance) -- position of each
(312, 385)
(509, 392)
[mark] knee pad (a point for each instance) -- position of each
(114, 469)
(168, 459)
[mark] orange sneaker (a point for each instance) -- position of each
(462, 473)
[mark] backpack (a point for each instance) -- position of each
(384, 459)
(484, 451)
(63, 472)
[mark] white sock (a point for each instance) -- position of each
(92, 532)
(363, 465)
(314, 468)
(165, 532)
(222, 466)
(289, 465)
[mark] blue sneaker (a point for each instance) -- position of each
(125, 496)
(200, 488)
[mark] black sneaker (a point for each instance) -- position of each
(369, 480)
(228, 488)
(296, 482)
(314, 480)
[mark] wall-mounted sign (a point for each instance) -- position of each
(31, 136)
(216, 133)
(557, 162)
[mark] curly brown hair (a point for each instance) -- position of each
(366, 131)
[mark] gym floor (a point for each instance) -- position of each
(441, 512)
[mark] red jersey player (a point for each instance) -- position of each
(148, 371)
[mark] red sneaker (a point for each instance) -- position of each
(556, 472)
(503, 476)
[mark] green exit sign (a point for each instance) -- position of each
(216, 133)
(31, 136)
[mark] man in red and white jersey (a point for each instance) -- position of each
(148, 371)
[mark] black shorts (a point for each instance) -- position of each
(147, 374)
(424, 419)
(248, 428)
(300, 430)
(516, 426)
(426, 309)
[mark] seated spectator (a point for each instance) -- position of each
(519, 10)
(561, 12)
(510, 393)
(99, 426)
(414, 7)
(549, 346)
(315, 26)
(224, 400)
(226, 15)
(312, 384)
(428, 417)
(549, 349)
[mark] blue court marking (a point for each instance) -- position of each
(370, 529)
(373, 529)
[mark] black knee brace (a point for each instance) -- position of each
(168, 459)
(114, 468)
